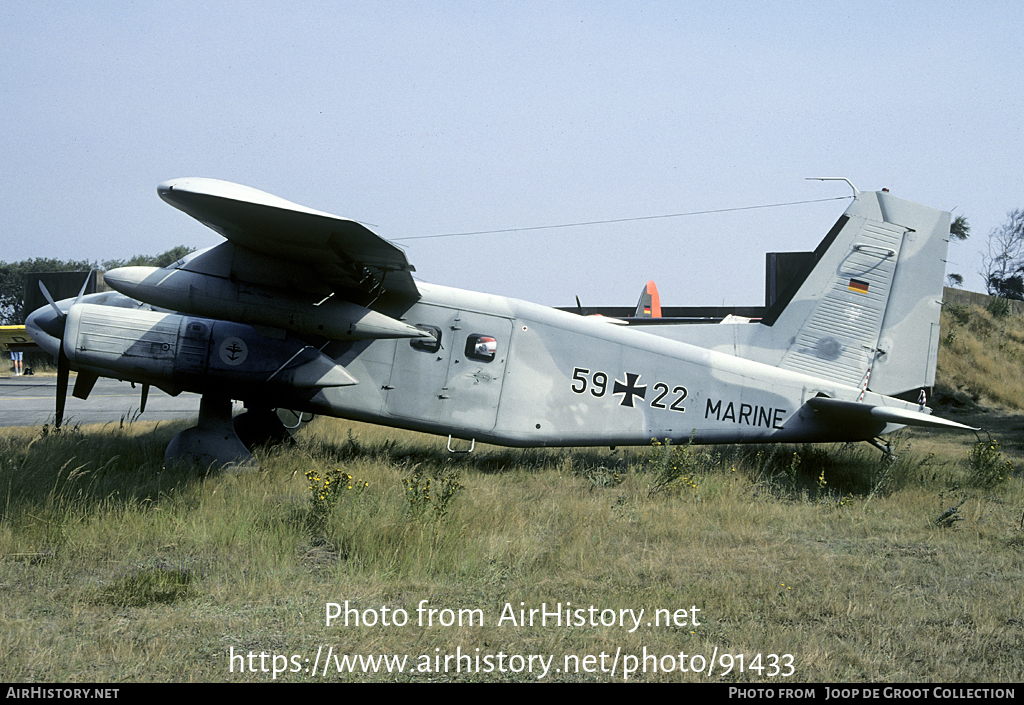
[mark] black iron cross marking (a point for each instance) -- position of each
(629, 389)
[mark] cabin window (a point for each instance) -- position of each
(481, 347)
(430, 345)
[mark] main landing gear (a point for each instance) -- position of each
(219, 442)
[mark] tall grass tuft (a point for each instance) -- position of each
(148, 585)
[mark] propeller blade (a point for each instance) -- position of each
(49, 299)
(84, 383)
(63, 368)
(145, 396)
(85, 285)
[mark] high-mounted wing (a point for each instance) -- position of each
(351, 259)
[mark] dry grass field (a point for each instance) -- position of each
(784, 564)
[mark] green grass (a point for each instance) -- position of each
(114, 568)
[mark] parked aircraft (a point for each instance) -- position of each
(16, 338)
(303, 310)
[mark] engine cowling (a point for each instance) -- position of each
(186, 353)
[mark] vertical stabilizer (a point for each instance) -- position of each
(649, 305)
(868, 313)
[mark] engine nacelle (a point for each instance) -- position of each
(185, 353)
(204, 286)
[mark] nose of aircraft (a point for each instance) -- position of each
(46, 327)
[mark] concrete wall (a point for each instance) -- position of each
(968, 298)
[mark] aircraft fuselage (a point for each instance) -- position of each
(558, 379)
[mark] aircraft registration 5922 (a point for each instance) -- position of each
(663, 395)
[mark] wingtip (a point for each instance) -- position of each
(177, 192)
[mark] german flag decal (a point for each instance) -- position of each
(861, 287)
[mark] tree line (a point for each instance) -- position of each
(1003, 262)
(12, 276)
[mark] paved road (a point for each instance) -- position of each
(30, 401)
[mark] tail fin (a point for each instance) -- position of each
(869, 308)
(649, 305)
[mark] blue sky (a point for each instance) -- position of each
(426, 118)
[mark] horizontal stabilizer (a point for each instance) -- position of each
(852, 411)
